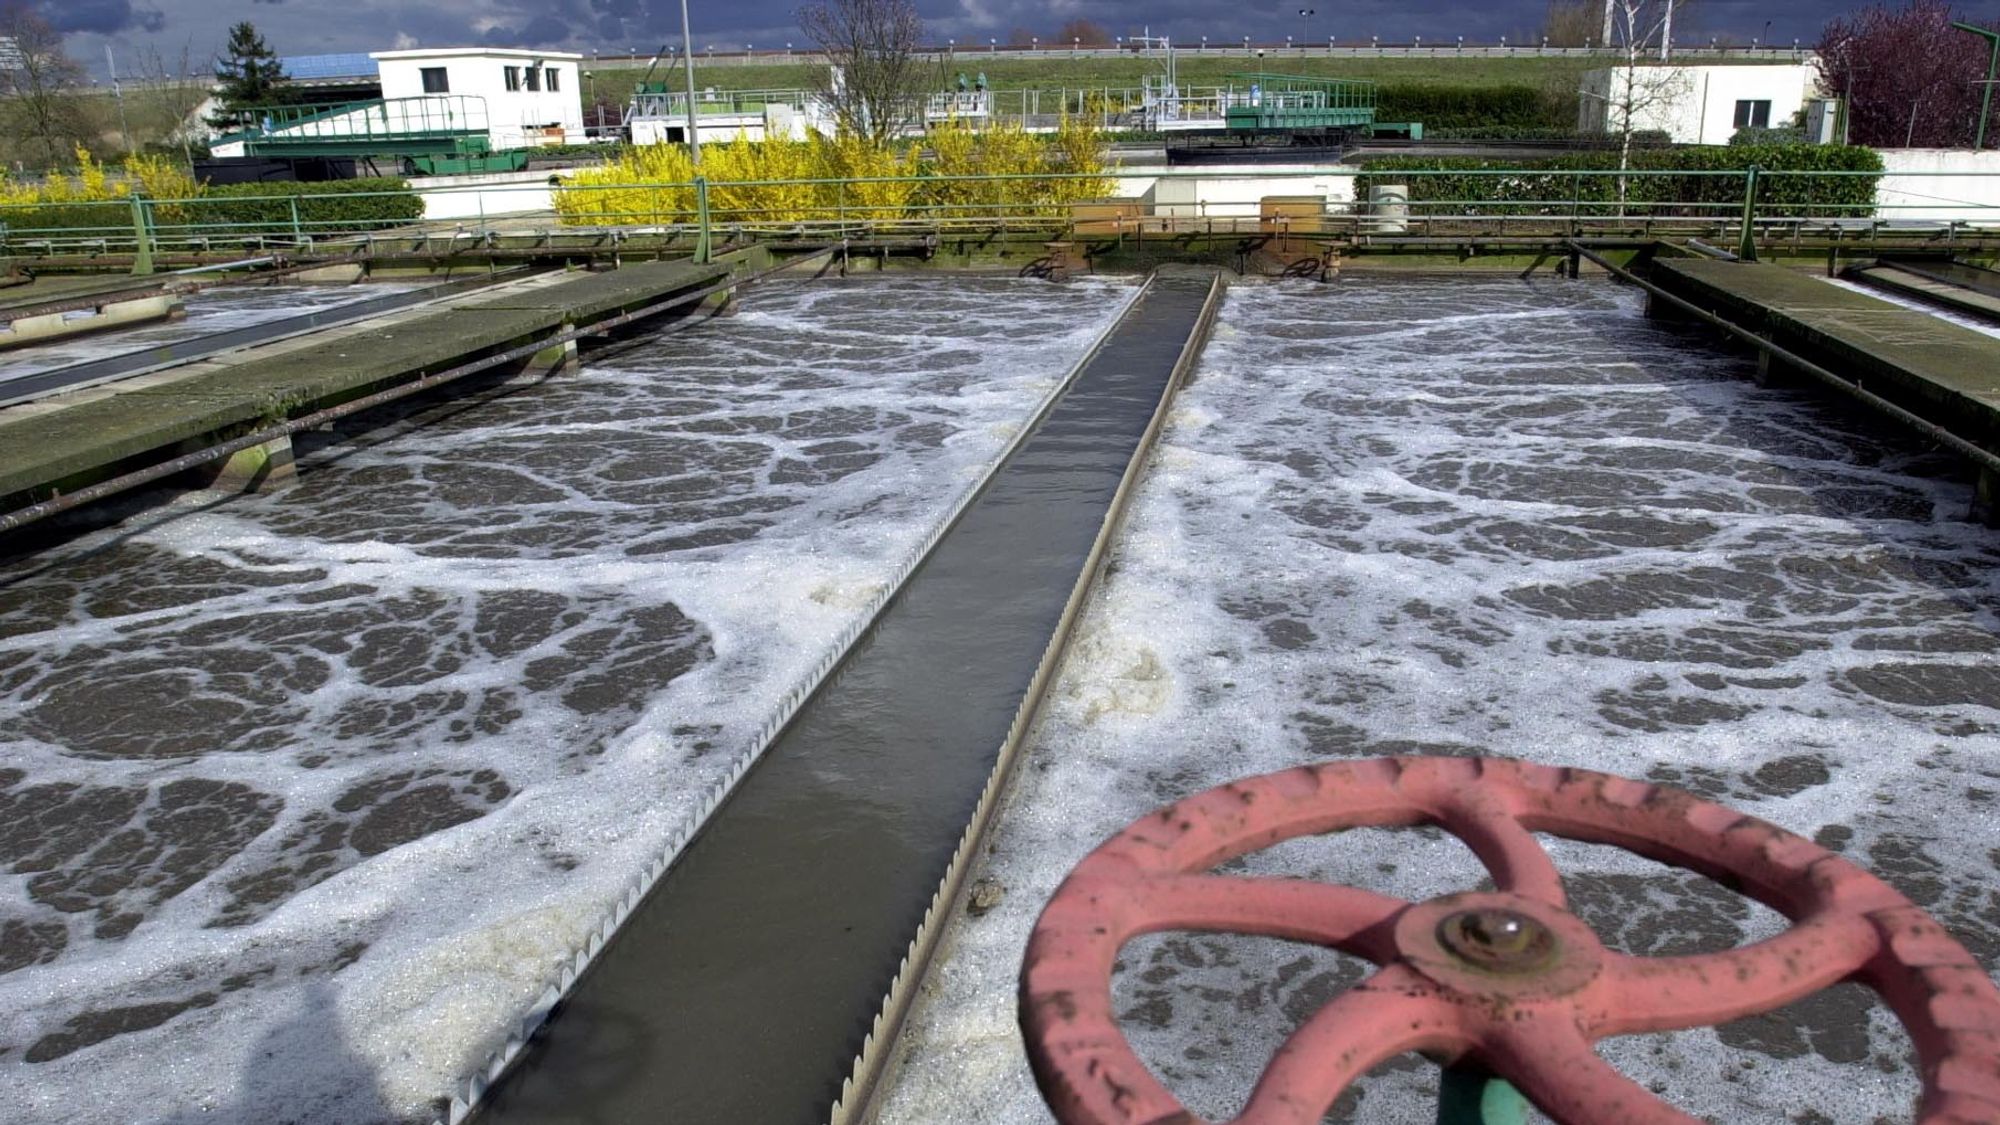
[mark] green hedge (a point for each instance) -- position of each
(337, 205)
(366, 204)
(1550, 186)
(1472, 107)
(1645, 138)
(106, 219)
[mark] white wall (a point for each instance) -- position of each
(1225, 192)
(482, 74)
(486, 195)
(1693, 104)
(1939, 185)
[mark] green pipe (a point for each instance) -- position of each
(1467, 1096)
(142, 234)
(1746, 247)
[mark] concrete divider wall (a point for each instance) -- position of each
(486, 195)
(1939, 185)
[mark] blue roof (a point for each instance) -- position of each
(329, 66)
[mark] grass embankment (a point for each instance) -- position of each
(1057, 72)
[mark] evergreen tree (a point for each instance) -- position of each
(247, 75)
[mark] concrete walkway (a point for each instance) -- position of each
(64, 442)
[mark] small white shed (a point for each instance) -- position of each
(1696, 105)
(531, 97)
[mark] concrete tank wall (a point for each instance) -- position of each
(1939, 185)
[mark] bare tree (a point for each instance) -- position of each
(40, 82)
(879, 75)
(1639, 95)
(1084, 33)
(166, 107)
(1570, 23)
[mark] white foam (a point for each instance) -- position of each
(1475, 516)
(484, 593)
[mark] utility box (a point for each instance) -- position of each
(1823, 121)
(1294, 223)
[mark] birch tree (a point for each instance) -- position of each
(1639, 92)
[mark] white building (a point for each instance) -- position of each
(723, 115)
(1696, 105)
(530, 97)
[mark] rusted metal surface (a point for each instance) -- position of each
(1508, 980)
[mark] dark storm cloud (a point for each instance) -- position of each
(101, 17)
(644, 25)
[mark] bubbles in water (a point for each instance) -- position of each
(1465, 516)
(326, 782)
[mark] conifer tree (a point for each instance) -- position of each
(247, 75)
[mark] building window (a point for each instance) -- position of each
(535, 79)
(1753, 114)
(513, 76)
(434, 80)
(554, 75)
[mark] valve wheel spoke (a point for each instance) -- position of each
(1673, 993)
(1393, 1011)
(1345, 918)
(1518, 862)
(1552, 1064)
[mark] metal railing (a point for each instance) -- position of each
(385, 119)
(1526, 202)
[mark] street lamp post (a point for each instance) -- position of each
(1306, 22)
(1992, 73)
(687, 60)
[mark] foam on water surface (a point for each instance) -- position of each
(217, 309)
(1396, 516)
(302, 797)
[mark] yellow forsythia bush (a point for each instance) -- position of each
(969, 175)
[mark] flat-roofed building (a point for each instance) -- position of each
(530, 97)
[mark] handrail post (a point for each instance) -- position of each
(1746, 245)
(702, 247)
(142, 234)
(298, 231)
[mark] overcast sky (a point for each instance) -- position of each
(305, 27)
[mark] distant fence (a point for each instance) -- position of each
(1569, 200)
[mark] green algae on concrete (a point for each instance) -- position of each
(591, 296)
(1942, 371)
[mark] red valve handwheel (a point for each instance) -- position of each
(1509, 980)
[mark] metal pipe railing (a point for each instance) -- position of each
(1978, 455)
(1576, 197)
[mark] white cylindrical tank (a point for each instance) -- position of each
(1389, 208)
